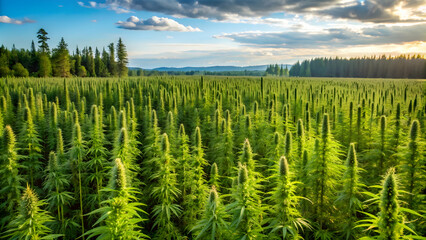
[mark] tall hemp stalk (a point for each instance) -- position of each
(166, 194)
(77, 154)
(285, 221)
(10, 178)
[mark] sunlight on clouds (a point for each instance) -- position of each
(388, 49)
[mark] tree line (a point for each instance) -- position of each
(277, 70)
(40, 61)
(403, 66)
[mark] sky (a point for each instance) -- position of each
(179, 33)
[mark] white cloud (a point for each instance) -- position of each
(110, 6)
(376, 11)
(6, 19)
(156, 24)
(330, 37)
(249, 56)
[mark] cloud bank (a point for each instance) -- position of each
(376, 11)
(156, 24)
(110, 6)
(335, 37)
(6, 19)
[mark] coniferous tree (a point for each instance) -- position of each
(121, 59)
(90, 63)
(61, 62)
(45, 66)
(97, 62)
(112, 65)
(103, 64)
(33, 67)
(42, 40)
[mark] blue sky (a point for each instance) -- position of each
(178, 33)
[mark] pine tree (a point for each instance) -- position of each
(61, 62)
(122, 59)
(112, 65)
(45, 66)
(42, 40)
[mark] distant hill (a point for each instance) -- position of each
(212, 68)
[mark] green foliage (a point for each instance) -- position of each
(213, 224)
(97, 152)
(76, 155)
(121, 220)
(61, 62)
(412, 171)
(55, 184)
(10, 180)
(122, 59)
(110, 156)
(325, 168)
(120, 214)
(349, 196)
(19, 70)
(246, 209)
(166, 194)
(194, 201)
(30, 147)
(285, 221)
(390, 222)
(30, 222)
(389, 208)
(45, 66)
